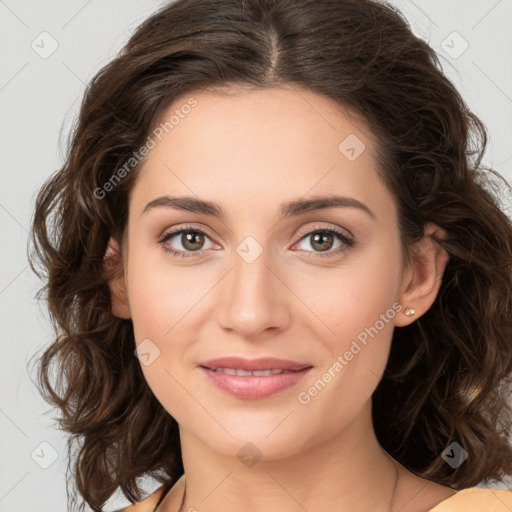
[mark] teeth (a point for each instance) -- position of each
(245, 373)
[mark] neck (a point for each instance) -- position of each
(349, 471)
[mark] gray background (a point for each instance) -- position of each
(40, 96)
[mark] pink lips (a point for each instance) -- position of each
(254, 387)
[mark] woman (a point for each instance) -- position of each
(280, 278)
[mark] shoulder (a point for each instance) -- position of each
(148, 504)
(477, 500)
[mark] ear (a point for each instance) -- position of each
(113, 264)
(422, 278)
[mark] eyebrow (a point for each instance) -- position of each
(289, 209)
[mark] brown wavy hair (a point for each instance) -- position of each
(448, 374)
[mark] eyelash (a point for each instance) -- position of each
(349, 242)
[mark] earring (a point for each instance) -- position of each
(409, 311)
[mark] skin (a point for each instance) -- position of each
(250, 151)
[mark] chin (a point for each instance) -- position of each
(264, 440)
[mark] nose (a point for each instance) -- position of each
(254, 298)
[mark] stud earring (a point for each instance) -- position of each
(409, 311)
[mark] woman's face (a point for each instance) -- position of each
(269, 278)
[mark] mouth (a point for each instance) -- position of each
(237, 363)
(252, 380)
(245, 373)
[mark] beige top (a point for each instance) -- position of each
(472, 499)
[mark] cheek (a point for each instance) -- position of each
(160, 305)
(163, 302)
(360, 317)
(362, 303)
(352, 297)
(358, 311)
(160, 296)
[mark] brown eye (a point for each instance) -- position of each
(192, 240)
(322, 241)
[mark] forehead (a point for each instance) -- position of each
(252, 146)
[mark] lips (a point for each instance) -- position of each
(251, 365)
(253, 387)
(253, 379)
